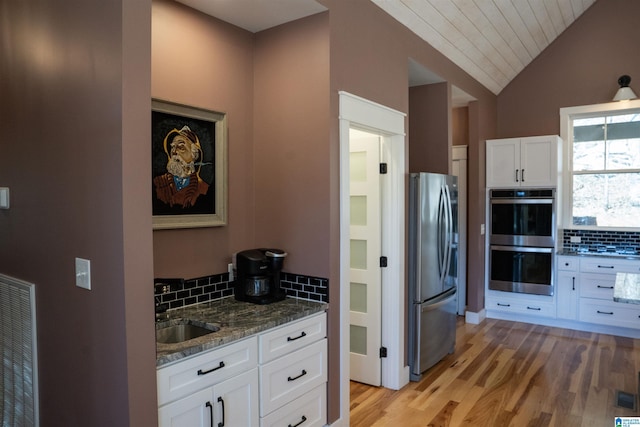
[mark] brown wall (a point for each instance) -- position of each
(291, 110)
(201, 61)
(580, 67)
(75, 115)
(430, 128)
(460, 126)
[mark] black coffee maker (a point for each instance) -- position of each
(258, 273)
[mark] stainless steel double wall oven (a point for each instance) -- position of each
(522, 235)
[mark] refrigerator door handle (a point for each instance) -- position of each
(449, 228)
(442, 235)
(439, 302)
(418, 247)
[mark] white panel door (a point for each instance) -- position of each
(365, 275)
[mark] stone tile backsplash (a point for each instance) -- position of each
(593, 238)
(176, 293)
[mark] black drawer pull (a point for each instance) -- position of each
(210, 406)
(605, 287)
(220, 366)
(605, 312)
(295, 378)
(534, 308)
(302, 335)
(504, 305)
(221, 401)
(301, 421)
(574, 284)
(605, 266)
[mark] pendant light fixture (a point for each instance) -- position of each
(625, 92)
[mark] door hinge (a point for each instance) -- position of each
(383, 352)
(383, 261)
(383, 168)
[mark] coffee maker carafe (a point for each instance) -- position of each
(258, 273)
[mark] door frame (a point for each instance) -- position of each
(390, 124)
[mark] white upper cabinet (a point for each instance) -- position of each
(523, 162)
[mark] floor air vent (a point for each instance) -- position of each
(18, 355)
(625, 400)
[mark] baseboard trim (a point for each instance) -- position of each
(475, 318)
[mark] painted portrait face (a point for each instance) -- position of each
(183, 155)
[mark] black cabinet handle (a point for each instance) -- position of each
(534, 308)
(605, 266)
(222, 402)
(302, 335)
(220, 366)
(210, 406)
(504, 305)
(574, 284)
(605, 312)
(301, 421)
(516, 175)
(605, 287)
(295, 378)
(522, 175)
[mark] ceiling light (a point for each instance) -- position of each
(625, 92)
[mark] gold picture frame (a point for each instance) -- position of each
(189, 166)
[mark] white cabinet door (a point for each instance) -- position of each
(522, 162)
(567, 295)
(236, 401)
(233, 402)
(538, 162)
(503, 161)
(194, 410)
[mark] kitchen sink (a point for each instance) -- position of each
(180, 330)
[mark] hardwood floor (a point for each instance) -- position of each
(511, 374)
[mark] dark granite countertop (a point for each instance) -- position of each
(236, 320)
(567, 252)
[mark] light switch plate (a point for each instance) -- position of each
(4, 198)
(83, 273)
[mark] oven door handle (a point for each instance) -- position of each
(522, 249)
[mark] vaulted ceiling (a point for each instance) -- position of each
(492, 40)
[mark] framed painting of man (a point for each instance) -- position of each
(189, 162)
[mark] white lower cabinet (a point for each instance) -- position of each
(309, 410)
(231, 403)
(519, 304)
(217, 387)
(293, 374)
(277, 378)
(567, 287)
(596, 304)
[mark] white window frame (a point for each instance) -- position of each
(567, 115)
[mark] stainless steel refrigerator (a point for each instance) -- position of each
(433, 265)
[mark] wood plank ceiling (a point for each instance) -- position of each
(492, 40)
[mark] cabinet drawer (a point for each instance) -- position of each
(205, 369)
(609, 313)
(533, 308)
(309, 410)
(567, 263)
(597, 285)
(286, 378)
(608, 265)
(291, 337)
